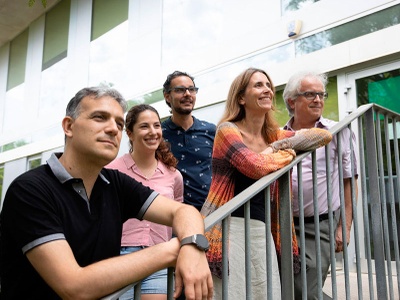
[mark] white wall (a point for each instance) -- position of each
(11, 170)
(235, 29)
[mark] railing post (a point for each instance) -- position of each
(170, 283)
(286, 236)
(376, 213)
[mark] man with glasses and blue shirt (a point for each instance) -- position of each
(305, 96)
(191, 139)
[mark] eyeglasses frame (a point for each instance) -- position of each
(196, 89)
(322, 95)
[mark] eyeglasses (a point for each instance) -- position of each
(182, 90)
(310, 96)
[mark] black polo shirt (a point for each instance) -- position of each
(47, 204)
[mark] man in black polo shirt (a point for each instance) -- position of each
(61, 223)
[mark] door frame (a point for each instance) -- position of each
(347, 104)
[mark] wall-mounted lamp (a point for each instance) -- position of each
(294, 28)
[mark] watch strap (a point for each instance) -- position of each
(199, 240)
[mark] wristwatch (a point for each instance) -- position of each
(199, 240)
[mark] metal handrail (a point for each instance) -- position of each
(265, 181)
(223, 212)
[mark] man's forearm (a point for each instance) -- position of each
(348, 203)
(188, 221)
(56, 264)
(184, 219)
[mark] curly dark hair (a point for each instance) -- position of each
(163, 152)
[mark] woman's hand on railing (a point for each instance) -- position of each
(268, 150)
(304, 140)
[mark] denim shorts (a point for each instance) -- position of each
(156, 283)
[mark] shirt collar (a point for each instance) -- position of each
(60, 172)
(130, 163)
(320, 123)
(173, 126)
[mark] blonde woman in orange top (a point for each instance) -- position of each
(249, 145)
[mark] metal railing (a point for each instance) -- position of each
(373, 253)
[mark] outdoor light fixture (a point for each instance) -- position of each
(294, 28)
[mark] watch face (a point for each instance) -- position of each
(202, 242)
(199, 240)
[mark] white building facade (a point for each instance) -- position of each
(134, 44)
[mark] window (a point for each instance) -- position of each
(33, 162)
(17, 60)
(382, 89)
(108, 15)
(13, 122)
(147, 98)
(56, 34)
(362, 26)
(109, 46)
(54, 65)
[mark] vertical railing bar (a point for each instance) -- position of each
(247, 249)
(331, 219)
(316, 223)
(343, 218)
(138, 290)
(354, 215)
(119, 292)
(397, 160)
(268, 242)
(301, 233)
(392, 204)
(285, 217)
(379, 256)
(364, 198)
(376, 209)
(170, 283)
(225, 262)
(383, 201)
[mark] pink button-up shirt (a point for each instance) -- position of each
(165, 181)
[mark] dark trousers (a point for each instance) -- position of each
(311, 259)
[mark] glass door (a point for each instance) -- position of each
(380, 85)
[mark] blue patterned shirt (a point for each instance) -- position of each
(193, 149)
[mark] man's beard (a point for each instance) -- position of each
(183, 111)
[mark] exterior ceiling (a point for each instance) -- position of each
(16, 15)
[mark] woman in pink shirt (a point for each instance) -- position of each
(150, 162)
